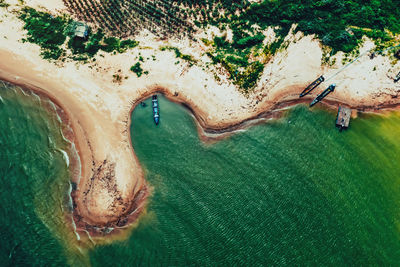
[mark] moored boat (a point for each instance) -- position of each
(312, 86)
(156, 110)
(321, 96)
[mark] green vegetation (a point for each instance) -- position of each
(51, 33)
(4, 4)
(330, 20)
(46, 31)
(126, 17)
(137, 68)
(179, 54)
(339, 24)
(112, 44)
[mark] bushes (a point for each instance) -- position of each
(247, 80)
(240, 61)
(178, 54)
(137, 69)
(50, 33)
(45, 30)
(125, 44)
(112, 44)
(328, 19)
(77, 45)
(93, 43)
(249, 41)
(52, 53)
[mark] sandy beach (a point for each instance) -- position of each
(111, 190)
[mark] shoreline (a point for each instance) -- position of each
(207, 133)
(80, 226)
(111, 184)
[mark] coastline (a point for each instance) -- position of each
(210, 133)
(207, 132)
(111, 191)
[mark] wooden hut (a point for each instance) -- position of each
(343, 118)
(81, 30)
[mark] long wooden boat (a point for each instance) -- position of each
(156, 110)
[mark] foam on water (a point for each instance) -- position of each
(65, 156)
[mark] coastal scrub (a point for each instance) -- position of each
(137, 69)
(179, 54)
(51, 33)
(46, 31)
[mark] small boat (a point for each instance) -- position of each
(321, 96)
(312, 86)
(156, 109)
(397, 77)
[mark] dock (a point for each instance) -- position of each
(343, 118)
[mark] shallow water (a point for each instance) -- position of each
(34, 182)
(293, 191)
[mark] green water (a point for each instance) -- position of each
(293, 191)
(34, 183)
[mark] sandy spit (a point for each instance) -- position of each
(111, 191)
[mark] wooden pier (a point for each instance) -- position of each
(343, 118)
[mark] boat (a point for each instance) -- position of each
(156, 110)
(312, 86)
(397, 77)
(321, 96)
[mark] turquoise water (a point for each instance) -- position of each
(292, 191)
(34, 182)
